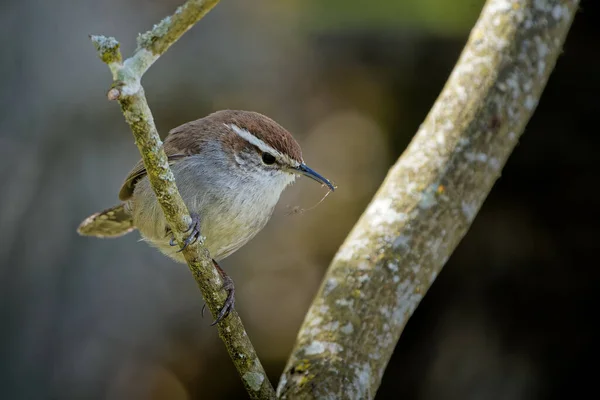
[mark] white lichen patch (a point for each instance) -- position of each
(347, 329)
(530, 102)
(401, 241)
(433, 247)
(254, 380)
(541, 67)
(361, 382)
(386, 340)
(541, 47)
(354, 246)
(344, 302)
(511, 84)
(411, 188)
(408, 298)
(134, 67)
(494, 163)
(382, 212)
(415, 268)
(428, 198)
(318, 347)
(496, 7)
(364, 266)
(559, 12)
(447, 126)
(385, 311)
(313, 331)
(331, 284)
(104, 43)
(332, 326)
(441, 139)
(315, 347)
(469, 210)
(480, 157)
(162, 27)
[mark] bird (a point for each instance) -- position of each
(230, 167)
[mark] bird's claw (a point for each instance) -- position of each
(194, 230)
(229, 304)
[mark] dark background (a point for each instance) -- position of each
(511, 316)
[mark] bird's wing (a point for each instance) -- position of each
(177, 146)
(137, 173)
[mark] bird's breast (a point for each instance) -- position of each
(232, 220)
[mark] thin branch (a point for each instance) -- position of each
(427, 202)
(128, 91)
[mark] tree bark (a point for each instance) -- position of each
(427, 202)
(127, 89)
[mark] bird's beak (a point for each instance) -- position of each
(303, 169)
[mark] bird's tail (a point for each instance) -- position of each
(114, 222)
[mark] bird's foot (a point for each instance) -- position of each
(194, 230)
(229, 304)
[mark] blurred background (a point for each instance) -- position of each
(510, 317)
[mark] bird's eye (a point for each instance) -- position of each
(268, 158)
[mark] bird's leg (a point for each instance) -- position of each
(228, 285)
(194, 230)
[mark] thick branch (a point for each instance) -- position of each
(427, 202)
(128, 90)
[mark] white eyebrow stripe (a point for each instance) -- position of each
(250, 138)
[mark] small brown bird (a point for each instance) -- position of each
(230, 168)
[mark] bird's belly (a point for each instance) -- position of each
(227, 233)
(224, 232)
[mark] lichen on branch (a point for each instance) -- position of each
(166, 32)
(107, 48)
(127, 89)
(427, 202)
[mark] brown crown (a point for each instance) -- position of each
(264, 128)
